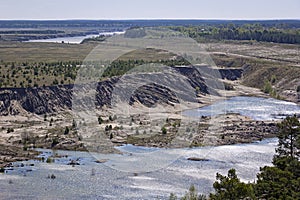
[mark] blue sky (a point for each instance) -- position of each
(150, 9)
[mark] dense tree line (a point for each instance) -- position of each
(265, 35)
(31, 32)
(121, 24)
(121, 67)
(257, 32)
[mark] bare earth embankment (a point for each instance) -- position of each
(51, 125)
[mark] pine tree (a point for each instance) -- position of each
(283, 180)
(230, 187)
(289, 138)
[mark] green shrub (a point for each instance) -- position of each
(100, 120)
(49, 160)
(164, 130)
(267, 87)
(67, 130)
(10, 130)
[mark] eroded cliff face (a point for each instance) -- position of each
(15, 101)
(187, 83)
(284, 80)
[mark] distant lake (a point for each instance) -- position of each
(255, 107)
(76, 39)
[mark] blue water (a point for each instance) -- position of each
(255, 107)
(91, 180)
(76, 39)
(147, 173)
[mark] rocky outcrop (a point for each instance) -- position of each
(152, 94)
(41, 100)
(231, 74)
(182, 84)
(235, 131)
(195, 78)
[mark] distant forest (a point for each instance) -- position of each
(280, 33)
(286, 24)
(277, 31)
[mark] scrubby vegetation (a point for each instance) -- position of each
(20, 75)
(38, 74)
(268, 89)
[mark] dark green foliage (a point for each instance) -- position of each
(273, 79)
(257, 32)
(274, 183)
(55, 82)
(100, 120)
(67, 130)
(283, 180)
(229, 187)
(121, 67)
(108, 127)
(54, 142)
(172, 197)
(164, 130)
(192, 194)
(39, 74)
(51, 122)
(298, 88)
(55, 73)
(74, 124)
(49, 160)
(289, 138)
(267, 87)
(46, 32)
(52, 176)
(10, 130)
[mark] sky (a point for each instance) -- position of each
(149, 9)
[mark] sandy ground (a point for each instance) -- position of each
(135, 124)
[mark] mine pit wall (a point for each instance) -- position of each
(51, 99)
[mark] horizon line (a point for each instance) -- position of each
(153, 19)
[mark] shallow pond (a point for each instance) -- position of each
(92, 180)
(255, 107)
